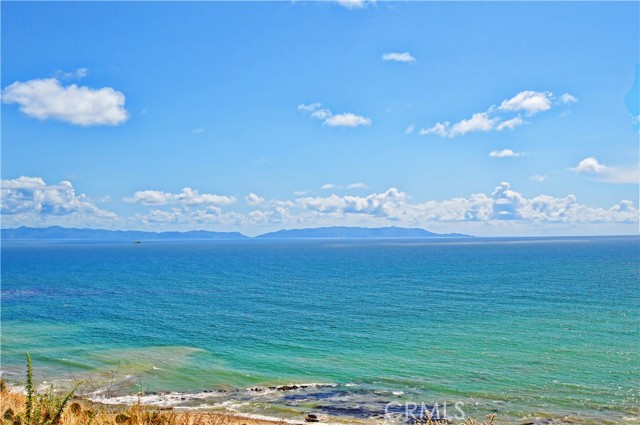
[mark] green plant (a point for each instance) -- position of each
(30, 392)
(45, 408)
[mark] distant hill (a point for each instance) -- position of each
(61, 233)
(57, 232)
(356, 233)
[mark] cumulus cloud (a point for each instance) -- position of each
(186, 197)
(399, 57)
(187, 219)
(620, 175)
(379, 204)
(31, 200)
(503, 204)
(528, 101)
(347, 119)
(504, 116)
(253, 199)
(590, 165)
(328, 186)
(478, 122)
(48, 99)
(505, 153)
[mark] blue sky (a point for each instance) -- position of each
(485, 118)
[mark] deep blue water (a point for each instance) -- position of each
(539, 328)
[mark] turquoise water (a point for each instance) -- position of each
(524, 328)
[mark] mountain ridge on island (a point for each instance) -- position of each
(344, 232)
(59, 233)
(334, 232)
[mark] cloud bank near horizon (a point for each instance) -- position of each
(30, 201)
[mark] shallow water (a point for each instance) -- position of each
(538, 328)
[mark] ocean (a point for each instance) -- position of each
(537, 330)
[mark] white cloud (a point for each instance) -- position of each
(310, 107)
(47, 98)
(30, 200)
(590, 165)
(347, 120)
(78, 74)
(197, 130)
(394, 207)
(409, 129)
(529, 101)
(358, 185)
(440, 129)
(330, 186)
(399, 57)
(538, 178)
(568, 99)
(478, 122)
(341, 120)
(379, 204)
(253, 199)
(352, 4)
(497, 118)
(321, 114)
(505, 153)
(186, 197)
(187, 219)
(617, 175)
(510, 124)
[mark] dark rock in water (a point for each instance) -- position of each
(311, 418)
(356, 412)
(379, 411)
(320, 395)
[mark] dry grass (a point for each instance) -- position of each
(80, 412)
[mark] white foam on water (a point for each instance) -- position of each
(172, 399)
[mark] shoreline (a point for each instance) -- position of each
(134, 405)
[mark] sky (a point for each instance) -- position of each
(487, 118)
